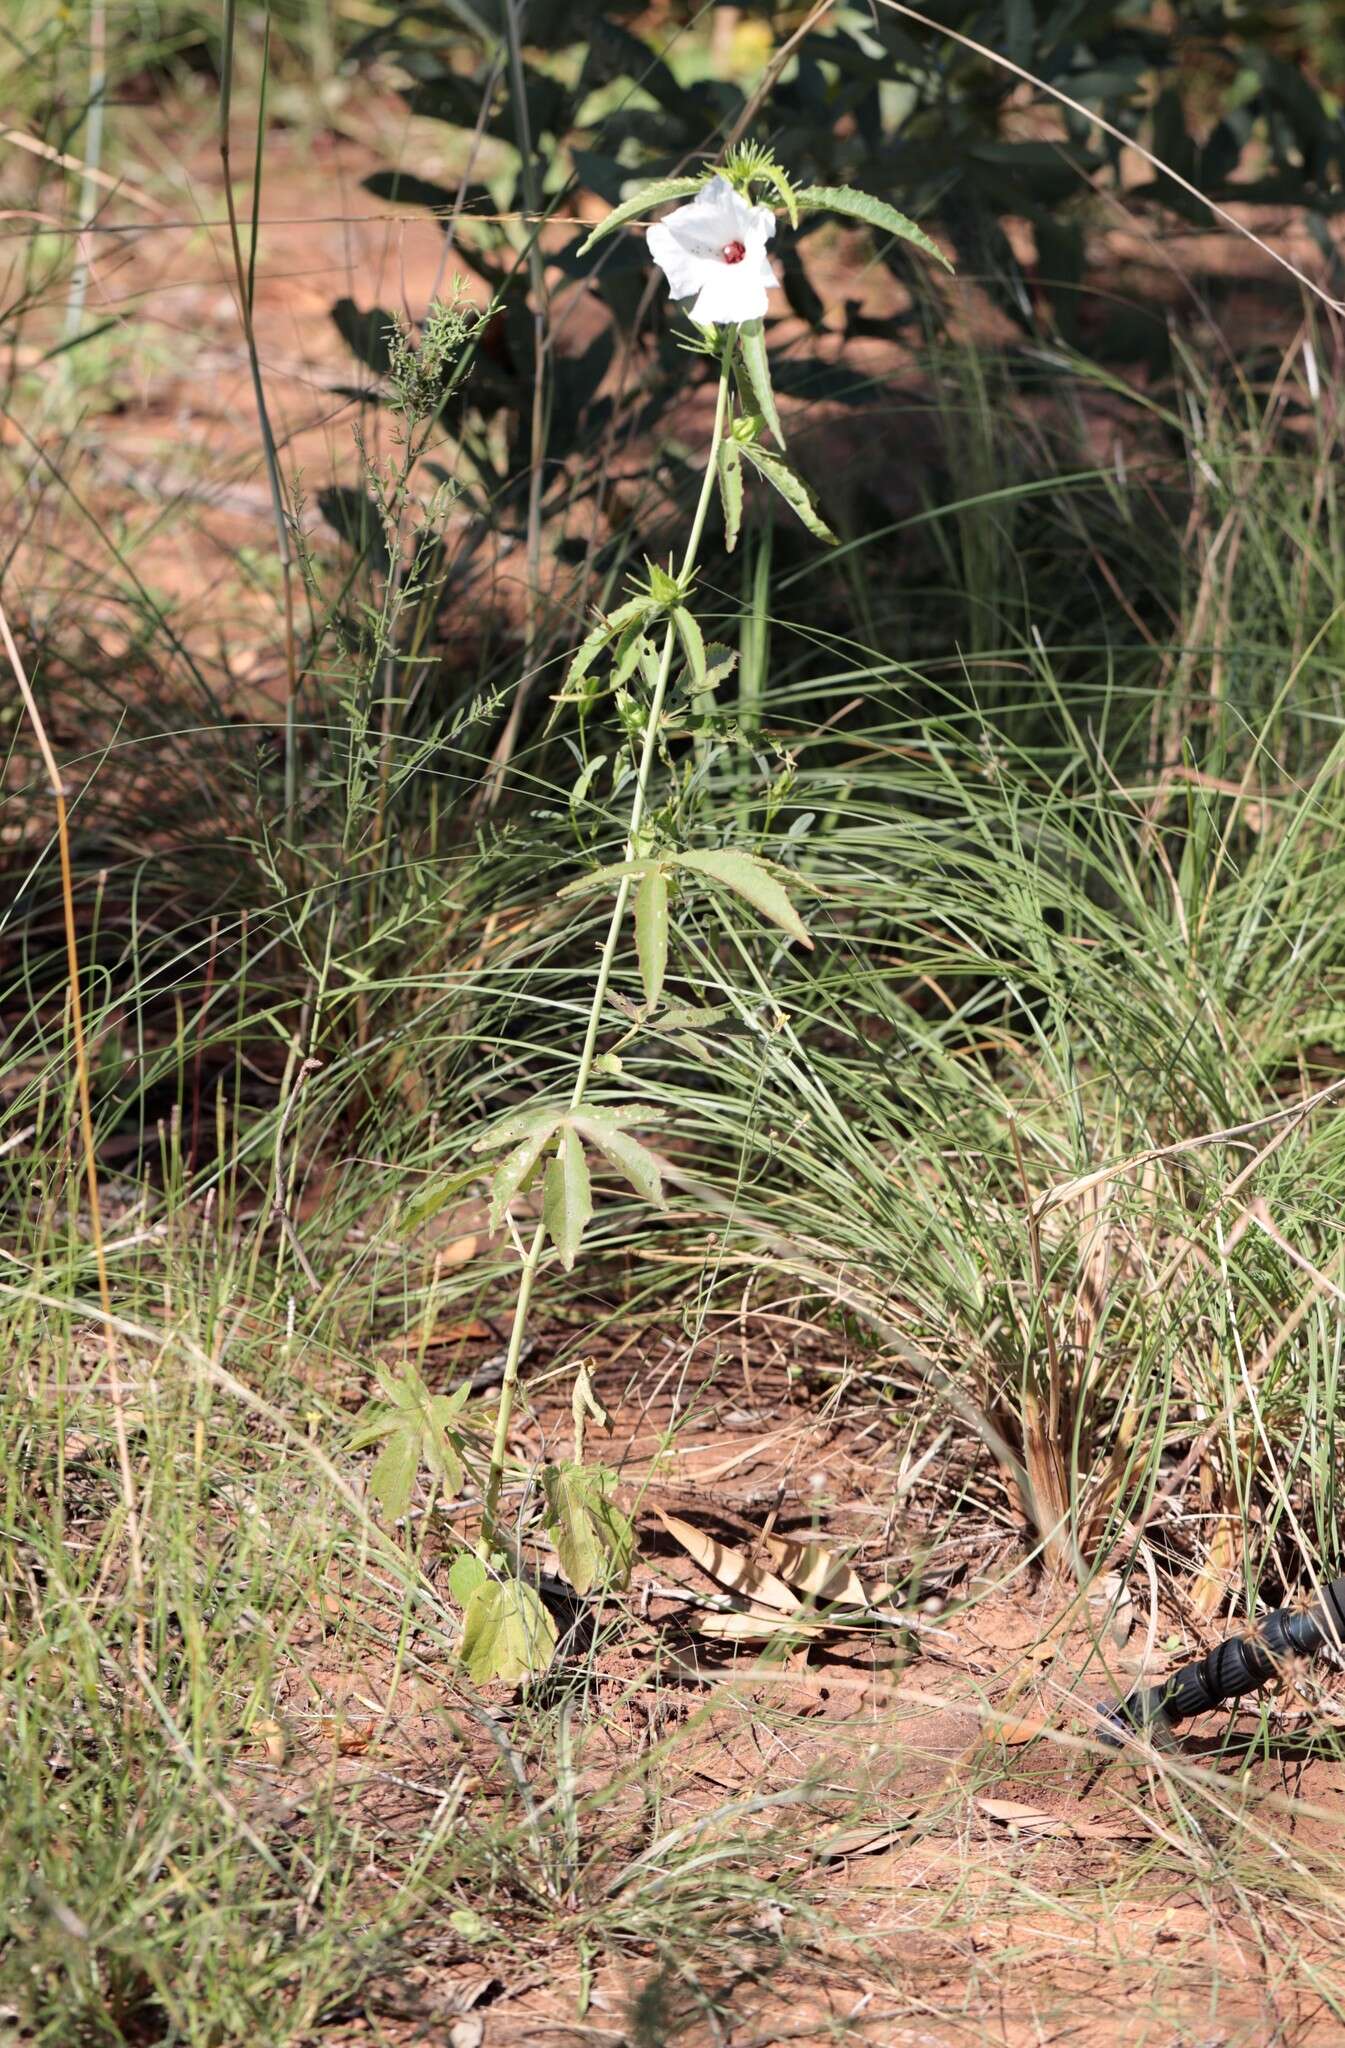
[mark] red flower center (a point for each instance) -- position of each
(733, 252)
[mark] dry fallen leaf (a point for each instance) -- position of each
(812, 1570)
(865, 1841)
(349, 1738)
(466, 1330)
(1031, 1821)
(1014, 1729)
(1027, 1820)
(730, 1566)
(269, 1732)
(756, 1628)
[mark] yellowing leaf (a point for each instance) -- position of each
(507, 1633)
(593, 1539)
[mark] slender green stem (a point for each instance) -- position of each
(245, 276)
(532, 1256)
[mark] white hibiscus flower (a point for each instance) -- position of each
(713, 250)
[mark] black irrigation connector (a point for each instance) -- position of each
(1234, 1667)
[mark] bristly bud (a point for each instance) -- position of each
(748, 164)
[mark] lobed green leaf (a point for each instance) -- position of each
(593, 1539)
(875, 213)
(750, 878)
(730, 463)
(567, 1203)
(651, 932)
(657, 193)
(795, 492)
(632, 1160)
(756, 364)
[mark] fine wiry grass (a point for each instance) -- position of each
(1055, 756)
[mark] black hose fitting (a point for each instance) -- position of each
(1234, 1667)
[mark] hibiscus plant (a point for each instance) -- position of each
(713, 252)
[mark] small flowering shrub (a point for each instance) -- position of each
(649, 654)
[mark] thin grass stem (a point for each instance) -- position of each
(130, 1501)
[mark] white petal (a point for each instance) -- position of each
(717, 215)
(761, 221)
(720, 199)
(727, 294)
(761, 267)
(684, 271)
(688, 246)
